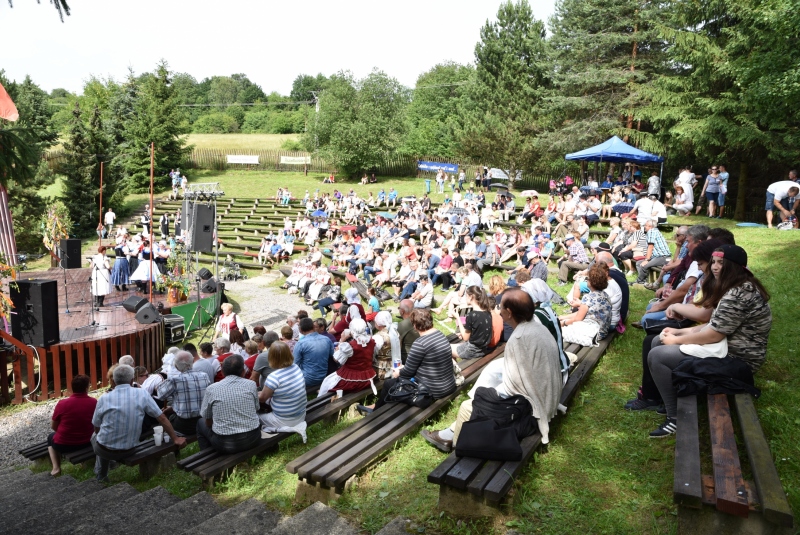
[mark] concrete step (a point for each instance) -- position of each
(250, 517)
(11, 479)
(180, 517)
(31, 489)
(318, 519)
(55, 496)
(64, 519)
(144, 507)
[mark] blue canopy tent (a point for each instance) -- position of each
(616, 150)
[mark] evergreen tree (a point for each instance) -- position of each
(604, 52)
(157, 119)
(511, 74)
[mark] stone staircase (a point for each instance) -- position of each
(32, 504)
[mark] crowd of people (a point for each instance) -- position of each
(707, 304)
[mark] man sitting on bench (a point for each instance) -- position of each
(530, 368)
(118, 420)
(229, 414)
(187, 390)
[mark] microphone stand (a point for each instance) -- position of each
(92, 323)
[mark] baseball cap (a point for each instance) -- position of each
(734, 253)
(569, 237)
(546, 235)
(594, 244)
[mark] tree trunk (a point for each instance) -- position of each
(741, 193)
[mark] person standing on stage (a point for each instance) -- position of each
(101, 277)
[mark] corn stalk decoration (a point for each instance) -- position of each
(55, 225)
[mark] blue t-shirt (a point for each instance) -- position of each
(392, 194)
(289, 399)
(373, 304)
(275, 249)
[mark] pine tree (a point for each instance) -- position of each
(604, 52)
(156, 119)
(511, 74)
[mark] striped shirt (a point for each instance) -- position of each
(430, 361)
(660, 247)
(188, 389)
(289, 400)
(119, 415)
(233, 404)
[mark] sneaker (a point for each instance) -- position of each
(639, 404)
(364, 410)
(433, 438)
(562, 283)
(669, 427)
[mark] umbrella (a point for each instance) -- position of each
(319, 213)
(387, 215)
(347, 228)
(503, 186)
(458, 211)
(507, 194)
(529, 193)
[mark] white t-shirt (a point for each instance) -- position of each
(614, 293)
(473, 279)
(781, 189)
(692, 271)
(644, 208)
(109, 219)
(426, 295)
(660, 209)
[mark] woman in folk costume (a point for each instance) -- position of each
(355, 310)
(387, 344)
(355, 352)
(101, 277)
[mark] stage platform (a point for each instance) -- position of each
(85, 348)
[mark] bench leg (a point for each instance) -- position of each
(463, 504)
(155, 466)
(309, 493)
(709, 520)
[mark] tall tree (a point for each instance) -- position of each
(604, 52)
(359, 123)
(511, 75)
(305, 85)
(156, 119)
(434, 111)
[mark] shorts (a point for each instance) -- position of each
(712, 197)
(721, 199)
(469, 351)
(770, 206)
(65, 448)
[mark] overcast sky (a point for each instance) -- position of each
(271, 42)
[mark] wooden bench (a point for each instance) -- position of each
(210, 465)
(470, 487)
(150, 459)
(327, 470)
(758, 506)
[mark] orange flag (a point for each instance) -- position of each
(7, 109)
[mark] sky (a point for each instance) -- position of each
(271, 42)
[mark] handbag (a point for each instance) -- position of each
(483, 439)
(656, 326)
(410, 392)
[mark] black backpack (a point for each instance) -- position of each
(514, 412)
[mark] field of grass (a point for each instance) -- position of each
(601, 474)
(239, 141)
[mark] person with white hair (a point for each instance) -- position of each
(387, 345)
(354, 310)
(228, 321)
(354, 354)
(127, 360)
(118, 421)
(186, 388)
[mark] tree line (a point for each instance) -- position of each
(697, 82)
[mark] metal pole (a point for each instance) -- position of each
(152, 170)
(100, 237)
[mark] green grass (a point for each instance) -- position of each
(239, 141)
(601, 474)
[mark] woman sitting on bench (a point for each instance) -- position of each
(742, 319)
(476, 331)
(285, 392)
(355, 352)
(72, 423)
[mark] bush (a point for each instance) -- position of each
(237, 112)
(257, 122)
(215, 123)
(292, 145)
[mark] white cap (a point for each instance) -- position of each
(569, 237)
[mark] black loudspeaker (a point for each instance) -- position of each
(205, 274)
(209, 287)
(202, 229)
(34, 318)
(70, 253)
(134, 303)
(148, 314)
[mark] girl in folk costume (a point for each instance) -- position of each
(354, 311)
(355, 353)
(228, 321)
(101, 276)
(387, 345)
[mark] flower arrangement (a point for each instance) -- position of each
(6, 305)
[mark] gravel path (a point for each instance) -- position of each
(259, 304)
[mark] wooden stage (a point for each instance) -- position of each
(83, 348)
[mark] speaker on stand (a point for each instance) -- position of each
(70, 250)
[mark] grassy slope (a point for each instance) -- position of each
(601, 473)
(239, 141)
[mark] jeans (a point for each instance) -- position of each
(322, 304)
(184, 426)
(643, 266)
(235, 443)
(408, 290)
(104, 458)
(369, 270)
(649, 388)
